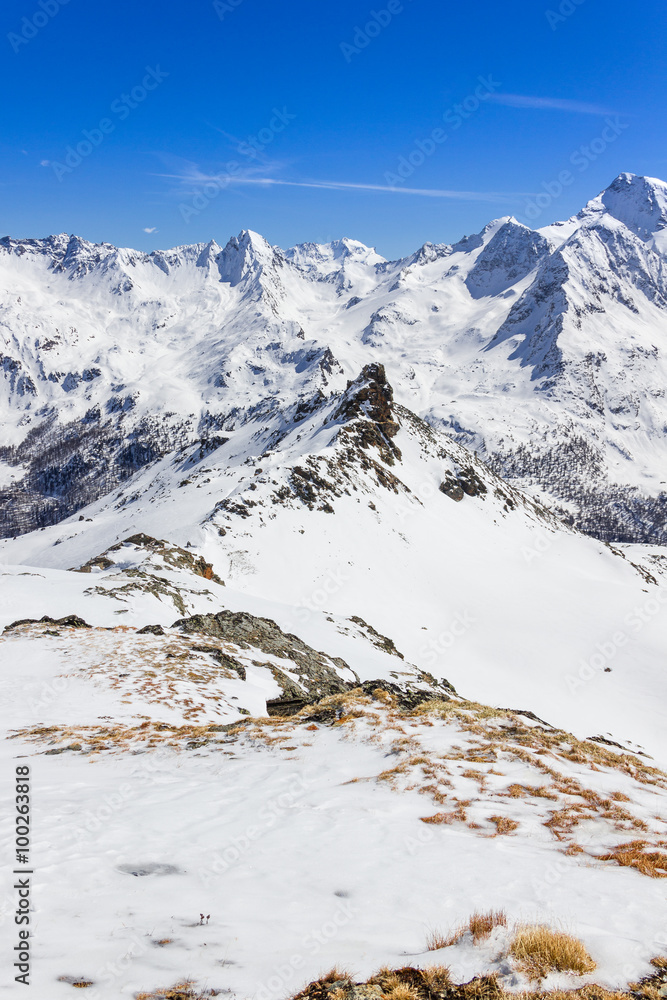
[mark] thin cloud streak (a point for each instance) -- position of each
(227, 180)
(549, 104)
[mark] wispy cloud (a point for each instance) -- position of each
(549, 104)
(192, 179)
(150, 229)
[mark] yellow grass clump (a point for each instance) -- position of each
(635, 855)
(479, 924)
(539, 950)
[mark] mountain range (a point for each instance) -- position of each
(333, 601)
(542, 351)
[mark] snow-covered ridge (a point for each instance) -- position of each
(543, 350)
(237, 480)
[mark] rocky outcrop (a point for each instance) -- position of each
(69, 621)
(171, 554)
(367, 408)
(318, 675)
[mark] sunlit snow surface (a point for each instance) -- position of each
(306, 841)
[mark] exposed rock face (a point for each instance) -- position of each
(467, 483)
(382, 642)
(318, 674)
(509, 256)
(367, 408)
(69, 621)
(171, 554)
(409, 694)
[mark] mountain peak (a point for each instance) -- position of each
(247, 253)
(370, 398)
(640, 203)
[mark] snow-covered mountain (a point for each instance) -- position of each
(356, 507)
(304, 669)
(544, 351)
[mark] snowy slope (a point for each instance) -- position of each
(344, 836)
(261, 478)
(362, 510)
(544, 350)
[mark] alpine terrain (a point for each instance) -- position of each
(334, 589)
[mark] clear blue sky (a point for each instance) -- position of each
(351, 106)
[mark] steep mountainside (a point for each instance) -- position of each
(302, 669)
(544, 351)
(362, 513)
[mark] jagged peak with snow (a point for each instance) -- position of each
(507, 338)
(639, 203)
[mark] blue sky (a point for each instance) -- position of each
(395, 123)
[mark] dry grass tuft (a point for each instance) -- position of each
(412, 984)
(435, 983)
(537, 792)
(436, 940)
(402, 991)
(437, 978)
(540, 950)
(635, 855)
(504, 825)
(481, 924)
(336, 975)
(182, 991)
(438, 818)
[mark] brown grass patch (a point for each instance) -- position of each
(504, 825)
(437, 978)
(336, 975)
(402, 991)
(536, 792)
(517, 791)
(635, 855)
(436, 940)
(436, 984)
(481, 924)
(539, 950)
(438, 818)
(182, 991)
